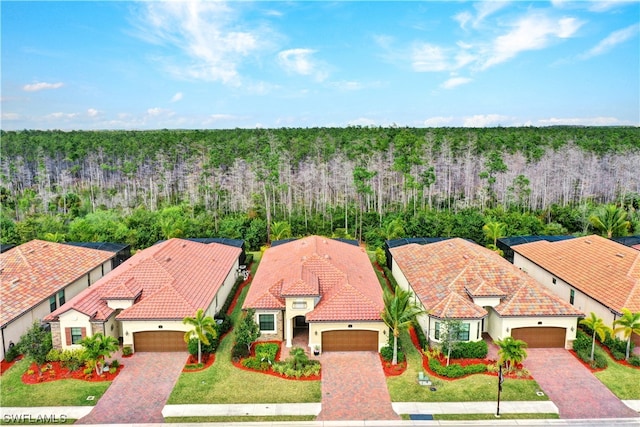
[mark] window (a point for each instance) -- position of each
(61, 298)
(436, 333)
(52, 303)
(299, 304)
(572, 296)
(76, 335)
(267, 322)
(463, 334)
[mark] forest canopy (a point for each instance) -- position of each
(356, 179)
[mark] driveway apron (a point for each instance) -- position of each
(140, 391)
(354, 388)
(572, 387)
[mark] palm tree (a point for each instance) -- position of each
(399, 313)
(280, 230)
(393, 229)
(628, 324)
(598, 327)
(512, 351)
(202, 325)
(493, 230)
(610, 221)
(97, 347)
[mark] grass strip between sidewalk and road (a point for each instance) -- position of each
(479, 417)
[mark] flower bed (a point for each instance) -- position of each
(54, 371)
(238, 364)
(4, 365)
(392, 370)
(192, 363)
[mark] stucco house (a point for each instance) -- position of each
(592, 273)
(460, 280)
(39, 276)
(144, 300)
(321, 287)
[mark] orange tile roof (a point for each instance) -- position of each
(170, 280)
(34, 271)
(601, 268)
(445, 275)
(339, 273)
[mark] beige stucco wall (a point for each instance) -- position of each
(73, 319)
(317, 328)
(223, 292)
(501, 327)
(291, 313)
(581, 301)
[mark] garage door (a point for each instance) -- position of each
(159, 341)
(350, 341)
(541, 337)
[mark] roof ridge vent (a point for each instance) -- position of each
(620, 255)
(588, 242)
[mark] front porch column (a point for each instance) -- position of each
(288, 331)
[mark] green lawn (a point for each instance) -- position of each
(224, 383)
(13, 392)
(474, 417)
(479, 387)
(621, 380)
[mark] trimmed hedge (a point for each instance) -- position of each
(582, 341)
(239, 350)
(468, 350)
(225, 308)
(634, 360)
(387, 353)
(422, 339)
(599, 359)
(455, 370)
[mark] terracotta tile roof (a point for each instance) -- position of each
(601, 268)
(170, 280)
(437, 271)
(339, 273)
(34, 271)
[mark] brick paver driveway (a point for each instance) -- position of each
(572, 387)
(354, 388)
(140, 391)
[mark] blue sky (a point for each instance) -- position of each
(154, 65)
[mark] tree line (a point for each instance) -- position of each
(352, 181)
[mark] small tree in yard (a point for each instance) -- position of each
(248, 331)
(35, 344)
(598, 328)
(398, 314)
(512, 351)
(450, 336)
(202, 326)
(628, 324)
(98, 347)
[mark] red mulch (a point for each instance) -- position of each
(585, 364)
(381, 270)
(207, 361)
(60, 373)
(238, 364)
(392, 370)
(4, 365)
(621, 362)
(238, 292)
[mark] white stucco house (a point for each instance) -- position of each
(321, 288)
(144, 300)
(460, 280)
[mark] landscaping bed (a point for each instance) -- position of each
(54, 371)
(263, 359)
(192, 364)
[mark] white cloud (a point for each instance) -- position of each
(484, 120)
(211, 40)
(301, 61)
(61, 116)
(584, 121)
(157, 112)
(456, 81)
(533, 32)
(435, 122)
(606, 5)
(92, 112)
(483, 10)
(11, 116)
(428, 57)
(177, 97)
(35, 87)
(362, 121)
(611, 41)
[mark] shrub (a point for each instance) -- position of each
(12, 353)
(599, 358)
(53, 355)
(88, 370)
(239, 350)
(582, 341)
(127, 350)
(225, 307)
(112, 370)
(615, 344)
(257, 364)
(225, 325)
(115, 363)
(422, 339)
(634, 360)
(387, 354)
(267, 351)
(73, 359)
(248, 260)
(455, 370)
(192, 345)
(470, 350)
(618, 355)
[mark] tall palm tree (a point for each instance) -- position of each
(611, 221)
(493, 230)
(399, 312)
(280, 230)
(598, 327)
(511, 352)
(202, 325)
(97, 347)
(628, 324)
(393, 229)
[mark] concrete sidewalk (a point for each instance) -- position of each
(249, 409)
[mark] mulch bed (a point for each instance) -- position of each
(238, 292)
(622, 362)
(392, 370)
(238, 364)
(4, 365)
(58, 372)
(207, 361)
